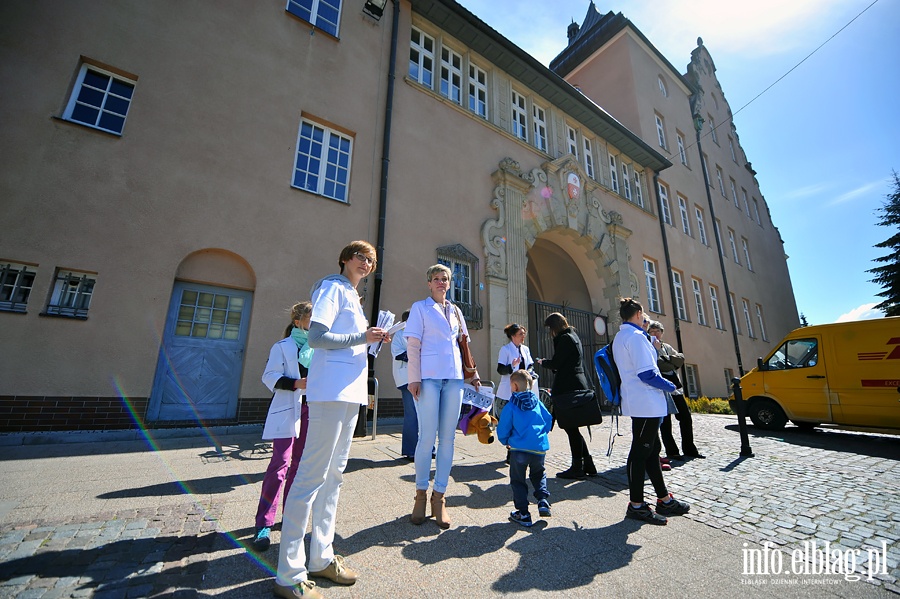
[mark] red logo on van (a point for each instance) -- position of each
(880, 355)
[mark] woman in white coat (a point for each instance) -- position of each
(513, 356)
(288, 417)
(436, 383)
(336, 387)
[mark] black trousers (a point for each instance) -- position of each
(687, 429)
(581, 457)
(643, 459)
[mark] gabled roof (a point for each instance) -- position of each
(458, 22)
(595, 32)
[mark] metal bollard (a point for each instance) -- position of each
(375, 408)
(741, 409)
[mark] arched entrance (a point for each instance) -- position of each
(201, 356)
(552, 244)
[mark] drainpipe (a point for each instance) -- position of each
(385, 167)
(698, 126)
(665, 240)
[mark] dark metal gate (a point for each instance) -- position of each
(541, 343)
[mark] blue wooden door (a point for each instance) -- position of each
(198, 375)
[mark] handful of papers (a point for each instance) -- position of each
(385, 321)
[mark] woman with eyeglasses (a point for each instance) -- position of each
(336, 386)
(569, 376)
(436, 383)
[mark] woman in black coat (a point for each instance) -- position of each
(569, 376)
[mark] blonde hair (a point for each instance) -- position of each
(299, 311)
(432, 270)
(521, 378)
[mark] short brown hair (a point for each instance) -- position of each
(521, 378)
(512, 329)
(363, 247)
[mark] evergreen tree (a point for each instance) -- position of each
(803, 321)
(888, 275)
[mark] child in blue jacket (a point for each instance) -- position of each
(523, 428)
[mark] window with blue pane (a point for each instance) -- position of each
(464, 284)
(323, 161)
(100, 100)
(324, 14)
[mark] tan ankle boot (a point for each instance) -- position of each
(418, 513)
(439, 510)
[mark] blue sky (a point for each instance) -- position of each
(823, 140)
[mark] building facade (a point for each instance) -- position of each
(177, 176)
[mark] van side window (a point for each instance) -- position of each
(796, 353)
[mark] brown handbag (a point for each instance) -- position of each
(470, 369)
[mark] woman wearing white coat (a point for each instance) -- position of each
(436, 383)
(513, 356)
(288, 417)
(337, 385)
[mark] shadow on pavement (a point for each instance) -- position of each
(869, 444)
(212, 485)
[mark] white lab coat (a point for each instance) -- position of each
(440, 357)
(508, 353)
(635, 355)
(338, 374)
(283, 419)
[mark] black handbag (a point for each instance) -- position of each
(575, 409)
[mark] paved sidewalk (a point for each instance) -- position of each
(110, 517)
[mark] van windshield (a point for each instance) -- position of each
(796, 353)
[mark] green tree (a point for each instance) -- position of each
(803, 321)
(888, 275)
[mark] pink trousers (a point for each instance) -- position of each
(286, 455)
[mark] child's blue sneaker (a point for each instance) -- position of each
(544, 508)
(520, 518)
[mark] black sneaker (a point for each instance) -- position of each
(544, 508)
(645, 514)
(520, 518)
(672, 507)
(571, 474)
(261, 541)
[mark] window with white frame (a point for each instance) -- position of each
(714, 304)
(477, 91)
(733, 191)
(682, 153)
(719, 238)
(519, 116)
(737, 326)
(323, 161)
(756, 212)
(733, 244)
(207, 315)
(749, 322)
(451, 75)
(761, 323)
(660, 131)
(701, 225)
(746, 249)
(613, 174)
(680, 307)
(664, 202)
(685, 219)
(698, 300)
(588, 159)
(539, 121)
(572, 141)
(712, 128)
(721, 181)
(16, 281)
(746, 203)
(737, 204)
(626, 182)
(100, 99)
(703, 162)
(662, 87)
(638, 188)
(324, 14)
(464, 284)
(731, 146)
(71, 295)
(421, 58)
(652, 287)
(691, 381)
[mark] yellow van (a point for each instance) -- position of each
(846, 373)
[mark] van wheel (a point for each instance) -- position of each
(767, 414)
(807, 426)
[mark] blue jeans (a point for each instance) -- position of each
(438, 411)
(410, 423)
(521, 462)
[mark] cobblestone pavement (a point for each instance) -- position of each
(826, 485)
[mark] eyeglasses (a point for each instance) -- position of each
(364, 258)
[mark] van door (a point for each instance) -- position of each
(795, 375)
(869, 380)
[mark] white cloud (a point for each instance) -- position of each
(864, 312)
(863, 190)
(805, 192)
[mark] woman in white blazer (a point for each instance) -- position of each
(288, 417)
(436, 383)
(513, 356)
(337, 386)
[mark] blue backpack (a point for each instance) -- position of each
(608, 373)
